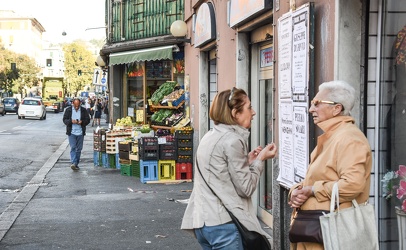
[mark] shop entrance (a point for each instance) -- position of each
(263, 101)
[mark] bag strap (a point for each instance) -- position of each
(207, 184)
(335, 198)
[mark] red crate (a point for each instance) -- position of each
(184, 171)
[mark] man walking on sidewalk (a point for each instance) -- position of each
(76, 118)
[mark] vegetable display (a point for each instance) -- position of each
(162, 91)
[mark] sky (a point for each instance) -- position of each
(57, 16)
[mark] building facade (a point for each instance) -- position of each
(16, 30)
(246, 44)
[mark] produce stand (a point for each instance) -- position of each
(140, 151)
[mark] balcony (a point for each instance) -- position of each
(140, 19)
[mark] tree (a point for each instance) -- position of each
(77, 57)
(24, 75)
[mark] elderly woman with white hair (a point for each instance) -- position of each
(342, 155)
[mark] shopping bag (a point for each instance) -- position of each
(349, 228)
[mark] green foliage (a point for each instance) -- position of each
(25, 74)
(77, 57)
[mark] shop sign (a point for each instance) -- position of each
(266, 57)
(241, 10)
(205, 25)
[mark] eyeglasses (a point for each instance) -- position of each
(316, 102)
(231, 94)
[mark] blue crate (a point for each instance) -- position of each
(149, 171)
(117, 161)
(178, 101)
(97, 161)
(104, 160)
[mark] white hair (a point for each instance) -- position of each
(340, 92)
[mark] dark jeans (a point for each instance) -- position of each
(76, 145)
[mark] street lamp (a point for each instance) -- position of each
(179, 30)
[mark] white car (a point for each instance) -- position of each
(32, 108)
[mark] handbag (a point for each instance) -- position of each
(251, 240)
(349, 228)
(305, 226)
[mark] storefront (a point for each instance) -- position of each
(386, 100)
(143, 72)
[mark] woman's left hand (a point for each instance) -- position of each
(300, 196)
(253, 154)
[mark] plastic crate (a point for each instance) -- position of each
(136, 171)
(97, 160)
(148, 143)
(184, 134)
(149, 155)
(99, 146)
(125, 169)
(184, 171)
(185, 151)
(182, 143)
(184, 159)
(170, 142)
(104, 160)
(124, 146)
(125, 155)
(179, 100)
(118, 165)
(166, 170)
(111, 160)
(167, 154)
(149, 171)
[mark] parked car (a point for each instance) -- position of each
(11, 104)
(33, 108)
(2, 110)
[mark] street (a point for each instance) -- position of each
(94, 208)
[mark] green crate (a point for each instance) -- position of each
(112, 160)
(126, 169)
(136, 171)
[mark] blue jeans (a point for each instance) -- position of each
(225, 237)
(76, 145)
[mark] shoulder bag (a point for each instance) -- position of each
(305, 226)
(250, 239)
(349, 228)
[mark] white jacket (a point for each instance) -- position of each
(222, 156)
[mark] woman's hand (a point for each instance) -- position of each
(300, 196)
(268, 152)
(253, 154)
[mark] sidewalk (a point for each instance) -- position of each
(94, 208)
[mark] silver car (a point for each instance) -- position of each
(2, 110)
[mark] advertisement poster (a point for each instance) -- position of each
(300, 142)
(294, 80)
(286, 174)
(285, 57)
(299, 52)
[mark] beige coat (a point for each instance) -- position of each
(342, 154)
(222, 156)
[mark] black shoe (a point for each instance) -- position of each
(74, 167)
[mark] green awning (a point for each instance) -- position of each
(150, 54)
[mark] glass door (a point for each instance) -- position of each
(262, 92)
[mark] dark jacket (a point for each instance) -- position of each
(67, 119)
